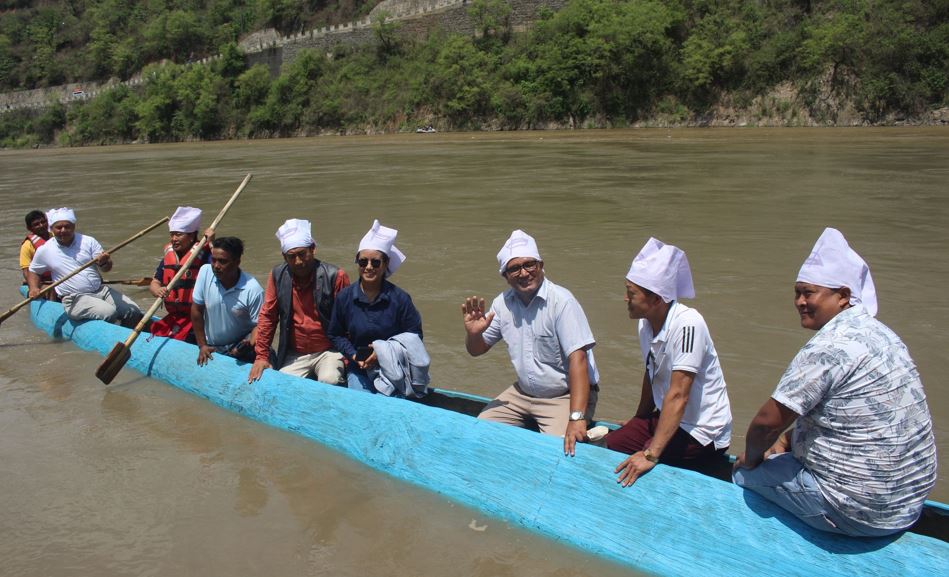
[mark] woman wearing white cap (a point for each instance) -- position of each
(183, 234)
(861, 457)
(684, 418)
(373, 308)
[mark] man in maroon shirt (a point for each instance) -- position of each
(298, 303)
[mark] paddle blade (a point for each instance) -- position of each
(113, 363)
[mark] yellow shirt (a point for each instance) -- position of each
(27, 250)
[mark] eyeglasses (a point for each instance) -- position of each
(529, 266)
(363, 262)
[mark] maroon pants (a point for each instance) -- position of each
(682, 450)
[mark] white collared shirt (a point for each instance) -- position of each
(540, 337)
(62, 260)
(684, 344)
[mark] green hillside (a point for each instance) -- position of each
(594, 63)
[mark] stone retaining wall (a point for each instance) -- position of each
(416, 18)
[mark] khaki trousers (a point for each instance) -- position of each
(326, 367)
(551, 416)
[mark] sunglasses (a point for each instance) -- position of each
(363, 262)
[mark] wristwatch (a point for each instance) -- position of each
(576, 416)
(650, 457)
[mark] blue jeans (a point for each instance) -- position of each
(784, 481)
(359, 381)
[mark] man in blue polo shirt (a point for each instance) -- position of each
(226, 303)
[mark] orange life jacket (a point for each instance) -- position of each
(178, 301)
(38, 241)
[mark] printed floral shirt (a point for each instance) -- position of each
(864, 429)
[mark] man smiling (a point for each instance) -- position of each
(550, 344)
(861, 457)
(226, 304)
(83, 296)
(298, 303)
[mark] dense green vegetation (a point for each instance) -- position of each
(595, 62)
(47, 43)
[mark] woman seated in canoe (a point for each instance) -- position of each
(370, 315)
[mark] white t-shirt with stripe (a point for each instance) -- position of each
(684, 344)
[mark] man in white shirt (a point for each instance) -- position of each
(549, 341)
(83, 296)
(684, 418)
(861, 458)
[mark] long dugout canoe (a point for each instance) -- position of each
(671, 522)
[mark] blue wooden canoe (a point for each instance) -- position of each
(672, 522)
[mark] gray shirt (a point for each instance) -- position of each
(864, 429)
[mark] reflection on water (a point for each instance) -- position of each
(142, 479)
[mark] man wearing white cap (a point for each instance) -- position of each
(83, 296)
(550, 344)
(183, 232)
(683, 418)
(861, 457)
(298, 303)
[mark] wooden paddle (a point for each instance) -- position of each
(121, 353)
(51, 286)
(144, 281)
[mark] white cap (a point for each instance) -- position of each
(295, 233)
(663, 269)
(57, 214)
(185, 219)
(519, 244)
(833, 264)
(382, 238)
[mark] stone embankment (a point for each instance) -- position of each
(415, 18)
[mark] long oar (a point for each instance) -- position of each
(51, 286)
(123, 351)
(144, 281)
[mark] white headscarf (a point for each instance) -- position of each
(663, 269)
(519, 244)
(382, 238)
(295, 233)
(57, 214)
(833, 264)
(185, 219)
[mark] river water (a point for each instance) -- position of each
(142, 479)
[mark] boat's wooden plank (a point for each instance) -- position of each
(672, 522)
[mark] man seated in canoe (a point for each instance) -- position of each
(225, 304)
(83, 296)
(183, 232)
(861, 457)
(298, 303)
(550, 344)
(683, 418)
(37, 234)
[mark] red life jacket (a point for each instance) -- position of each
(38, 241)
(177, 323)
(178, 301)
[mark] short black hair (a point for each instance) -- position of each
(233, 245)
(33, 215)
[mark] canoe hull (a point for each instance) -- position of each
(672, 522)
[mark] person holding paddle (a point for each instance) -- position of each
(84, 296)
(298, 304)
(183, 231)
